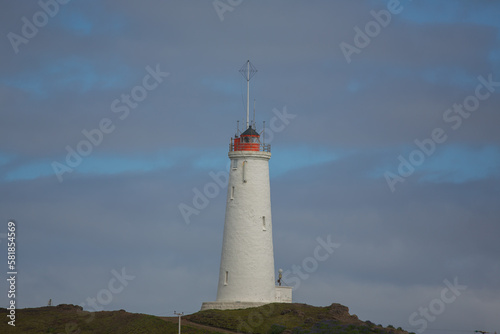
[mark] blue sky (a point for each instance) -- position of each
(336, 129)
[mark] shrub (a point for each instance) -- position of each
(277, 329)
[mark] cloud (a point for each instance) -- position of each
(457, 164)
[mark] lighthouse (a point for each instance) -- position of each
(247, 272)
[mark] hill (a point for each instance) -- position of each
(271, 318)
(291, 319)
(71, 319)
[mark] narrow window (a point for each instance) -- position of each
(264, 223)
(243, 172)
(226, 277)
(235, 164)
(232, 192)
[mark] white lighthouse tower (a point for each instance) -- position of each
(246, 277)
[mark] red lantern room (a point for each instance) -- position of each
(248, 141)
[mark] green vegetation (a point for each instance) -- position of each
(290, 319)
(268, 319)
(70, 319)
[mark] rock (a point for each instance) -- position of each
(69, 307)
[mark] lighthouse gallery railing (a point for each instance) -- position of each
(249, 147)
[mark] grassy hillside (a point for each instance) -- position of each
(272, 318)
(291, 318)
(70, 319)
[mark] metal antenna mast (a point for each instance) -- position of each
(248, 71)
(253, 122)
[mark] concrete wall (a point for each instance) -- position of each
(283, 294)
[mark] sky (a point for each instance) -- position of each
(383, 121)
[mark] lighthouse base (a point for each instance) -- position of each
(229, 305)
(283, 295)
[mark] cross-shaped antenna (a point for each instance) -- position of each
(248, 71)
